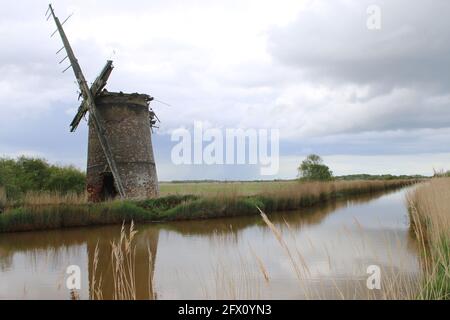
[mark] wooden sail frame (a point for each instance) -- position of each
(88, 104)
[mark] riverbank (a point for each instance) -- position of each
(40, 216)
(429, 208)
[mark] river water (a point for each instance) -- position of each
(325, 252)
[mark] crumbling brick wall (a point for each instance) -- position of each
(126, 119)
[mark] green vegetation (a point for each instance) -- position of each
(291, 196)
(429, 207)
(35, 195)
(313, 169)
(441, 174)
(379, 177)
(23, 175)
(217, 188)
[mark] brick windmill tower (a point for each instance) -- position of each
(120, 154)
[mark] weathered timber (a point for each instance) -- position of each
(89, 100)
(96, 87)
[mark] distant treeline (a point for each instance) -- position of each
(345, 177)
(222, 181)
(19, 176)
(379, 177)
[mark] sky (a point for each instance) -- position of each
(372, 101)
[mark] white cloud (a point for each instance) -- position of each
(309, 68)
(423, 164)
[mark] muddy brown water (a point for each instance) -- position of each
(329, 249)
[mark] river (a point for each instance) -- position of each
(325, 253)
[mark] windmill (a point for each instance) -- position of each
(120, 153)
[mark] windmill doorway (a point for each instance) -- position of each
(108, 187)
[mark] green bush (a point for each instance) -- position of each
(18, 176)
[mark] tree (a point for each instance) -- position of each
(19, 176)
(313, 169)
(65, 180)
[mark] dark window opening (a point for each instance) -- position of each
(108, 188)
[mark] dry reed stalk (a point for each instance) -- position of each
(151, 289)
(261, 266)
(33, 198)
(395, 286)
(96, 292)
(3, 198)
(123, 263)
(240, 283)
(283, 243)
(123, 257)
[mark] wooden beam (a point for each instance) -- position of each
(90, 103)
(96, 87)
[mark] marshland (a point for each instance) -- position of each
(28, 206)
(179, 172)
(297, 239)
(318, 252)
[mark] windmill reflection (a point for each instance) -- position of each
(52, 246)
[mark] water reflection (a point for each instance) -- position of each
(222, 258)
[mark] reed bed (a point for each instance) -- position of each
(51, 211)
(278, 198)
(242, 188)
(277, 188)
(33, 198)
(429, 207)
(42, 198)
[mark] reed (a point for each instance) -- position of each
(52, 211)
(395, 286)
(3, 199)
(123, 257)
(429, 208)
(95, 287)
(277, 198)
(34, 198)
(123, 264)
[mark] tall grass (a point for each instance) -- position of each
(123, 264)
(278, 197)
(41, 198)
(51, 211)
(3, 199)
(230, 189)
(394, 286)
(429, 207)
(34, 198)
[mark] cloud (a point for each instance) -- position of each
(310, 68)
(353, 79)
(341, 164)
(330, 41)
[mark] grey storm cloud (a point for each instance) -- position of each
(332, 42)
(397, 75)
(309, 68)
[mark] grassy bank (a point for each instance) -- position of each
(53, 213)
(248, 188)
(430, 217)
